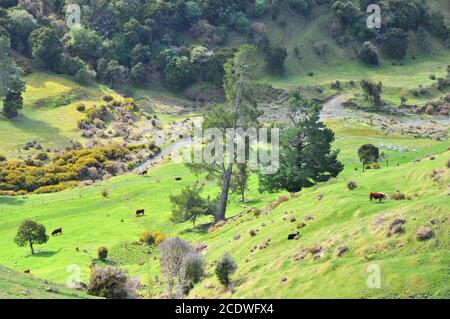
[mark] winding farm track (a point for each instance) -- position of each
(333, 108)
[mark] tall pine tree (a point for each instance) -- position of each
(306, 156)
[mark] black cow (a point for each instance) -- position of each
(293, 236)
(140, 212)
(57, 231)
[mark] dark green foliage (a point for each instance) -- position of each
(306, 157)
(368, 153)
(8, 3)
(20, 24)
(225, 267)
(260, 7)
(30, 233)
(346, 12)
(138, 74)
(369, 54)
(84, 43)
(372, 91)
(193, 11)
(239, 180)
(275, 57)
(241, 22)
(438, 27)
(193, 270)
(47, 48)
(178, 73)
(102, 253)
(395, 43)
(12, 84)
(407, 14)
(189, 204)
(12, 102)
(301, 6)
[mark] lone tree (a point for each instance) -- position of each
(275, 57)
(47, 48)
(239, 180)
(372, 91)
(369, 54)
(224, 269)
(189, 205)
(173, 259)
(368, 153)
(306, 156)
(239, 113)
(30, 233)
(11, 83)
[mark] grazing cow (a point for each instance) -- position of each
(377, 195)
(27, 271)
(143, 173)
(140, 212)
(293, 236)
(57, 231)
(178, 179)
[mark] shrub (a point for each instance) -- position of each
(252, 232)
(102, 253)
(147, 238)
(171, 257)
(2, 158)
(424, 233)
(193, 270)
(107, 98)
(224, 269)
(369, 54)
(397, 195)
(112, 283)
(159, 238)
(152, 238)
(351, 185)
(81, 107)
(448, 163)
(42, 156)
(105, 193)
(430, 109)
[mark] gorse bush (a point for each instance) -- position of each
(225, 267)
(65, 171)
(152, 238)
(112, 283)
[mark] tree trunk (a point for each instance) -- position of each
(32, 249)
(222, 207)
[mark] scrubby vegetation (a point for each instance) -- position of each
(84, 105)
(65, 171)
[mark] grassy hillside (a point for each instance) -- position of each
(90, 221)
(16, 285)
(49, 115)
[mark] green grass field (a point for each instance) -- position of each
(409, 268)
(90, 221)
(49, 115)
(21, 286)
